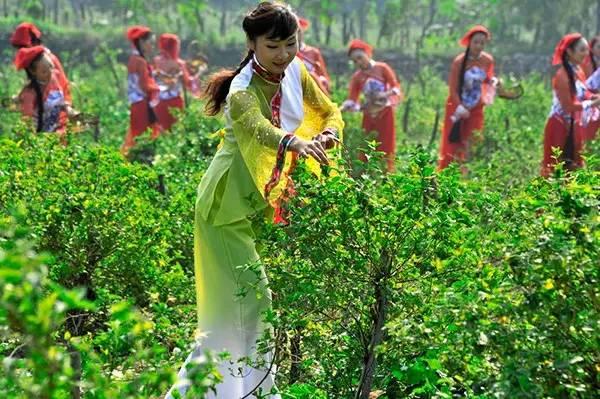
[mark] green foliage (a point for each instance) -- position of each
(125, 360)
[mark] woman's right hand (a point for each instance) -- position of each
(311, 148)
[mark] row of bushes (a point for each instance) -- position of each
(417, 284)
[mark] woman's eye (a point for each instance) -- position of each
(272, 47)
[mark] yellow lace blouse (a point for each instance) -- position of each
(233, 185)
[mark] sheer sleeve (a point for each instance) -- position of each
(320, 107)
(249, 124)
(259, 142)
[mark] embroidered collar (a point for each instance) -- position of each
(371, 65)
(264, 74)
(475, 58)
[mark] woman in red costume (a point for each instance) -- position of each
(42, 100)
(171, 75)
(142, 90)
(592, 73)
(382, 93)
(28, 35)
(471, 86)
(312, 58)
(574, 107)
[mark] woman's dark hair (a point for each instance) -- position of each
(567, 65)
(137, 45)
(461, 76)
(592, 58)
(277, 21)
(35, 41)
(569, 151)
(39, 97)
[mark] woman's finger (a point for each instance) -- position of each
(315, 156)
(319, 153)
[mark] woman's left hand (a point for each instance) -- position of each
(327, 140)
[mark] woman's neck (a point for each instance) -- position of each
(475, 56)
(265, 74)
(370, 65)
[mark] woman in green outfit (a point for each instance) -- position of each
(275, 114)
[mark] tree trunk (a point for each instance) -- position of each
(317, 29)
(351, 30)
(328, 30)
(362, 19)
(199, 18)
(5, 4)
(378, 317)
(223, 26)
(76, 12)
(76, 365)
(537, 34)
(597, 16)
(426, 26)
(345, 28)
(56, 12)
(296, 355)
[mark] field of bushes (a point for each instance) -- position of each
(415, 284)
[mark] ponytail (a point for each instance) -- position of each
(461, 76)
(34, 84)
(35, 41)
(217, 87)
(136, 44)
(570, 74)
(569, 151)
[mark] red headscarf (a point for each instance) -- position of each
(21, 37)
(304, 24)
(26, 55)
(466, 39)
(136, 32)
(358, 44)
(562, 46)
(169, 44)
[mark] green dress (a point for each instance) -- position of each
(231, 299)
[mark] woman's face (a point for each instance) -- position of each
(477, 45)
(274, 54)
(360, 59)
(147, 46)
(578, 53)
(42, 69)
(596, 49)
